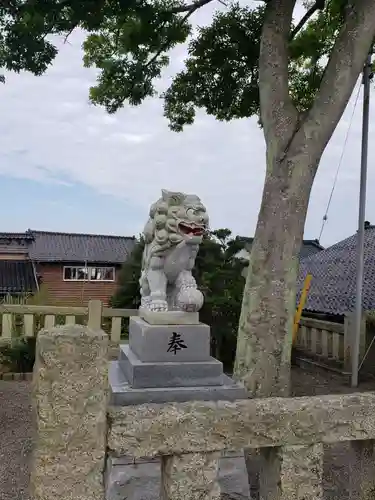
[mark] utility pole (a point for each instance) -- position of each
(356, 337)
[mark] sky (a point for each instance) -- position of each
(66, 165)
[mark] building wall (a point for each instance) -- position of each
(72, 293)
(13, 256)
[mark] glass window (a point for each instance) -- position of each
(68, 273)
(82, 273)
(77, 273)
(102, 274)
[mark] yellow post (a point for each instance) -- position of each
(301, 305)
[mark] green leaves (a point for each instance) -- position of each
(127, 294)
(129, 41)
(310, 51)
(221, 73)
(131, 51)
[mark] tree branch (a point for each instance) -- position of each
(8, 4)
(341, 74)
(191, 7)
(278, 113)
(318, 5)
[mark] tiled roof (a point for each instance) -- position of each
(308, 247)
(17, 276)
(71, 247)
(16, 236)
(333, 284)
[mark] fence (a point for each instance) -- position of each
(27, 320)
(75, 442)
(331, 342)
(322, 338)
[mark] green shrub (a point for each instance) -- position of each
(19, 355)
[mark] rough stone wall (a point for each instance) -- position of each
(150, 430)
(192, 476)
(70, 389)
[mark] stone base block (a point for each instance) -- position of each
(186, 374)
(129, 479)
(160, 343)
(169, 317)
(121, 394)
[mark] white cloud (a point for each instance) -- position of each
(132, 138)
(49, 132)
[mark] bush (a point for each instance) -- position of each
(19, 355)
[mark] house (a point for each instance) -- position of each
(17, 271)
(333, 286)
(308, 247)
(73, 268)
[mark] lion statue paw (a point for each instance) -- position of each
(158, 305)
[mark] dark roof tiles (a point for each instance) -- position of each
(17, 277)
(71, 247)
(308, 247)
(333, 284)
(16, 236)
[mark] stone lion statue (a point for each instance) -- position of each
(173, 233)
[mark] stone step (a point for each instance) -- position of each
(121, 394)
(169, 374)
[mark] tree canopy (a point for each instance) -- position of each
(129, 41)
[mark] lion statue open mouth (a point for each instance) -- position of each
(173, 233)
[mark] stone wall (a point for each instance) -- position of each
(70, 390)
(76, 432)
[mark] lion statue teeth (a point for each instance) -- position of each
(173, 233)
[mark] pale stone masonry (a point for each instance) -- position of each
(73, 422)
(292, 472)
(193, 476)
(361, 471)
(174, 428)
(70, 390)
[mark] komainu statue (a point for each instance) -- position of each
(173, 233)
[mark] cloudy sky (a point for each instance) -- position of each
(68, 166)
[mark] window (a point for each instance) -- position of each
(78, 273)
(102, 274)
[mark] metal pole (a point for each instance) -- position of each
(361, 222)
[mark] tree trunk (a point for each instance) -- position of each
(269, 300)
(295, 144)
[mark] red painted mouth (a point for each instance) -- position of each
(190, 230)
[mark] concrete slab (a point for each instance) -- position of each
(169, 317)
(177, 374)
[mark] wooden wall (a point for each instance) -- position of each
(73, 293)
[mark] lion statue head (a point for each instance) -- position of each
(176, 217)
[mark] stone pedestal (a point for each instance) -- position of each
(169, 343)
(165, 362)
